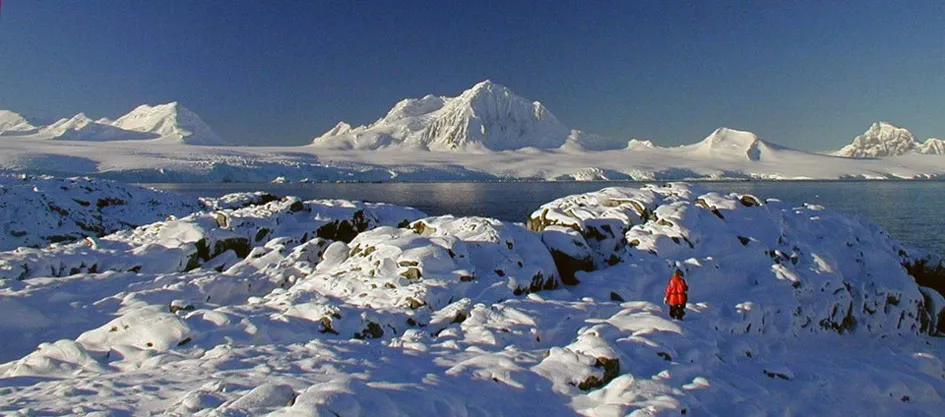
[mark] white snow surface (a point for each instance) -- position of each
(283, 307)
(157, 161)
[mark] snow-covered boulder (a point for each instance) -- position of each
(602, 219)
(410, 317)
(183, 244)
(807, 268)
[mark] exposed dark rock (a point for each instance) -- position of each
(261, 234)
(296, 206)
(344, 230)
(568, 266)
(412, 273)
(414, 303)
(749, 201)
(611, 369)
(222, 220)
(174, 307)
(772, 374)
(372, 331)
(326, 326)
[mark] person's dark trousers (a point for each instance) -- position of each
(677, 311)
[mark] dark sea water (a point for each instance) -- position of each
(911, 211)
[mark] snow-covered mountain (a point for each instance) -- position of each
(885, 139)
(15, 124)
(166, 123)
(81, 128)
(932, 146)
(726, 143)
(172, 121)
(488, 116)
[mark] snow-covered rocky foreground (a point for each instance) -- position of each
(254, 306)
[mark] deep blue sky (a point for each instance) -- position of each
(810, 75)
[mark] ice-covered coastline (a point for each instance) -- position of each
(252, 304)
(133, 162)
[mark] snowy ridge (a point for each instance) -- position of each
(168, 123)
(310, 308)
(170, 120)
(488, 116)
(81, 128)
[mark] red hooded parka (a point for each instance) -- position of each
(676, 290)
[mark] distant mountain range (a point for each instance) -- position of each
(166, 123)
(485, 133)
(486, 117)
(490, 117)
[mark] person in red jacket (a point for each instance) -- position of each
(676, 295)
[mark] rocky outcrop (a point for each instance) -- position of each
(67, 210)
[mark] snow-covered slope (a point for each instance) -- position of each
(885, 139)
(81, 128)
(312, 308)
(728, 144)
(14, 124)
(488, 116)
(37, 211)
(172, 122)
(931, 146)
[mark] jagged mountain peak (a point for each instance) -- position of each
(487, 116)
(880, 140)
